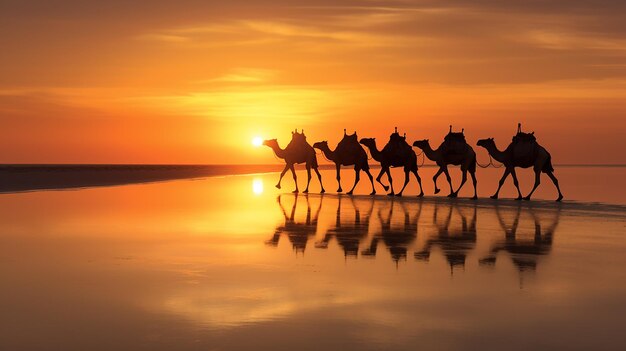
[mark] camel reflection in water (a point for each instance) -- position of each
(397, 240)
(298, 233)
(525, 247)
(348, 233)
(360, 226)
(454, 243)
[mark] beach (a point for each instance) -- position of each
(203, 258)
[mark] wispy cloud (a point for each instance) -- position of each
(168, 38)
(561, 40)
(268, 102)
(242, 75)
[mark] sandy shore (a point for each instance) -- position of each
(16, 178)
(571, 207)
(22, 178)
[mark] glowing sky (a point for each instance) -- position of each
(194, 81)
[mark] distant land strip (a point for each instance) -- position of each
(31, 177)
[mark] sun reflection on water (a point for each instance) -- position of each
(257, 186)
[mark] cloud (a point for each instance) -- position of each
(168, 38)
(243, 75)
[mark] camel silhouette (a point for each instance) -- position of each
(348, 152)
(523, 152)
(397, 153)
(453, 151)
(455, 244)
(298, 233)
(297, 151)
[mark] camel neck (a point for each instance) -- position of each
(497, 155)
(430, 153)
(328, 153)
(280, 153)
(376, 154)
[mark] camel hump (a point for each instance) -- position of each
(397, 147)
(522, 137)
(298, 144)
(455, 137)
(454, 143)
(349, 143)
(524, 147)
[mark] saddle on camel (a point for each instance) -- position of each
(397, 144)
(349, 144)
(454, 142)
(524, 147)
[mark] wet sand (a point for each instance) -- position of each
(231, 263)
(14, 178)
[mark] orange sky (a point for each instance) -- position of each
(194, 81)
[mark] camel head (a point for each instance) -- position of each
(422, 144)
(486, 142)
(271, 143)
(369, 142)
(322, 145)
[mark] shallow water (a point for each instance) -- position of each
(230, 263)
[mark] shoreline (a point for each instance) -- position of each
(569, 206)
(32, 178)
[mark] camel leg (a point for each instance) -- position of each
(516, 182)
(282, 174)
(319, 177)
(338, 168)
(357, 177)
(390, 181)
(419, 181)
(449, 179)
(308, 179)
(369, 175)
(463, 180)
(295, 178)
(556, 183)
(406, 181)
(475, 182)
(380, 175)
(435, 179)
(537, 182)
(501, 182)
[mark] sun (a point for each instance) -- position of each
(257, 141)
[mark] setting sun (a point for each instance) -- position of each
(257, 141)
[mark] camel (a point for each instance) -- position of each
(397, 153)
(297, 151)
(524, 153)
(347, 153)
(453, 151)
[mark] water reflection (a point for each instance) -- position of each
(455, 243)
(359, 225)
(527, 245)
(350, 231)
(298, 232)
(257, 186)
(396, 238)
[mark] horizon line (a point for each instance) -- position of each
(3, 165)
